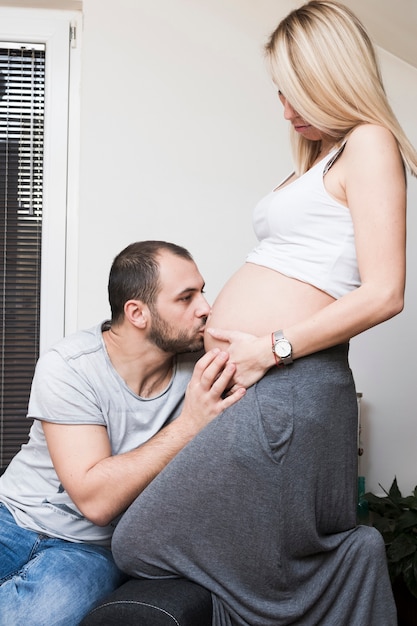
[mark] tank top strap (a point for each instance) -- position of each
(334, 158)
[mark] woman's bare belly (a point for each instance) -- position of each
(259, 300)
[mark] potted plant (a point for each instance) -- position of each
(395, 517)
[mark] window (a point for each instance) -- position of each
(22, 91)
(39, 65)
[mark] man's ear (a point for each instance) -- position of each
(137, 313)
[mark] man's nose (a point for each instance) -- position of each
(203, 308)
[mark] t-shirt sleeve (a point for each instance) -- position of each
(61, 394)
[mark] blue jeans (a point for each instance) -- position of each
(50, 582)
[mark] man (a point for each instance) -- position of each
(103, 403)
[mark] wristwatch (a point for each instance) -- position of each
(281, 348)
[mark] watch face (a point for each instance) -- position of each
(282, 348)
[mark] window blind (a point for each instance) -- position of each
(22, 91)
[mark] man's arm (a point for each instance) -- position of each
(103, 486)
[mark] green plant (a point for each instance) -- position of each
(395, 517)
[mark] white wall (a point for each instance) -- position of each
(383, 358)
(181, 133)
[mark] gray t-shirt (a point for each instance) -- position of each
(75, 383)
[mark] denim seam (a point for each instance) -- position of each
(23, 571)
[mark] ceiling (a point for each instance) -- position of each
(392, 25)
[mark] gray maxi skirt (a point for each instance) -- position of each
(260, 508)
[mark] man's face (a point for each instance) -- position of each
(180, 312)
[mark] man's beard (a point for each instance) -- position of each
(168, 339)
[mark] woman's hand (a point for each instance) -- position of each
(251, 355)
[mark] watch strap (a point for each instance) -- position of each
(278, 362)
(277, 336)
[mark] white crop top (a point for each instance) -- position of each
(306, 234)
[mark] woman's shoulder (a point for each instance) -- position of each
(370, 144)
(371, 161)
(369, 137)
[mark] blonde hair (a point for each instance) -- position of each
(324, 63)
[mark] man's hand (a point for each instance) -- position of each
(204, 398)
(103, 485)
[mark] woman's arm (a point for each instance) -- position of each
(371, 181)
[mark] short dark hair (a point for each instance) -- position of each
(134, 274)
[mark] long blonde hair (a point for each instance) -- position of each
(324, 63)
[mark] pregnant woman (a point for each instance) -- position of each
(260, 508)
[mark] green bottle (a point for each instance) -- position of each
(362, 508)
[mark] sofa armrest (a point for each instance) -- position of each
(162, 602)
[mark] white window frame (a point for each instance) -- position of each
(59, 261)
